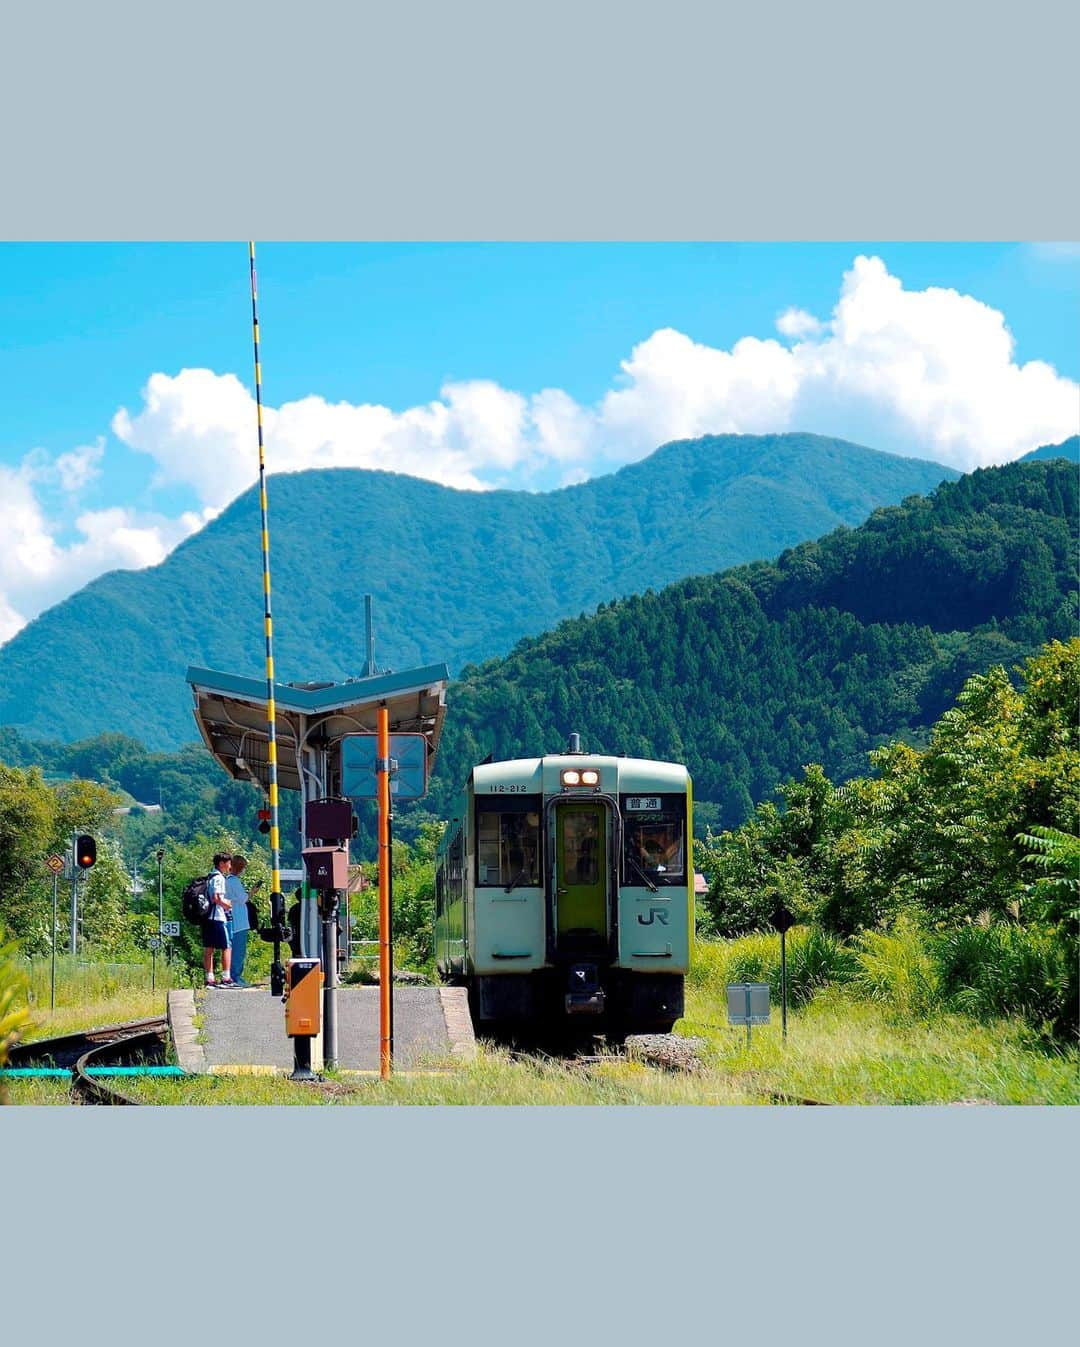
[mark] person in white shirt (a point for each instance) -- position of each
(238, 918)
(215, 929)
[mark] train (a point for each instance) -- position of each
(564, 892)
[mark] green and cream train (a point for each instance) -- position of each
(564, 887)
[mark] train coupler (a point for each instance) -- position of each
(584, 995)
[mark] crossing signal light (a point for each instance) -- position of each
(85, 852)
(264, 820)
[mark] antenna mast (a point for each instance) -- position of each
(277, 900)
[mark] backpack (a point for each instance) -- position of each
(195, 901)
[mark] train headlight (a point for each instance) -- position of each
(590, 777)
(571, 777)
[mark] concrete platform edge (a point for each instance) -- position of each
(459, 1025)
(180, 1012)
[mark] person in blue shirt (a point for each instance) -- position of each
(215, 929)
(238, 918)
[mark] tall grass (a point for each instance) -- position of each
(988, 973)
(814, 960)
(1004, 970)
(898, 970)
(89, 994)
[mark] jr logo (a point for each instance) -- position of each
(655, 914)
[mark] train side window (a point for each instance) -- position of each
(507, 847)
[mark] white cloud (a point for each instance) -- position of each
(37, 570)
(798, 323)
(80, 466)
(923, 372)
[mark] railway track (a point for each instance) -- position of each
(136, 1043)
(575, 1055)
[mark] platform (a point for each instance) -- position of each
(228, 1030)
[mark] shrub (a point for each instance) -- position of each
(1007, 970)
(814, 960)
(898, 970)
(13, 1011)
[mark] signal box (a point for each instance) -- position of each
(329, 820)
(327, 868)
(303, 1000)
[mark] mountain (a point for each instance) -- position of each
(838, 645)
(457, 576)
(1069, 449)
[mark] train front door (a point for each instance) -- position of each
(581, 920)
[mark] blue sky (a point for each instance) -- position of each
(435, 359)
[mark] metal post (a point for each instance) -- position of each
(783, 982)
(74, 892)
(160, 918)
(329, 963)
(369, 664)
(747, 993)
(302, 1059)
(382, 776)
(160, 892)
(52, 977)
(390, 901)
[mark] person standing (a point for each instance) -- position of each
(239, 925)
(215, 929)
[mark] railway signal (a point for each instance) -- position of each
(783, 921)
(85, 851)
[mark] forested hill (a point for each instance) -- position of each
(818, 657)
(1069, 449)
(456, 575)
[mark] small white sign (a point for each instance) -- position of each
(155, 942)
(748, 1002)
(170, 928)
(643, 804)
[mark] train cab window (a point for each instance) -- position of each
(507, 843)
(655, 840)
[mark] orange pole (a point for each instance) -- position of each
(382, 750)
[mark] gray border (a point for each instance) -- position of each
(571, 121)
(664, 1225)
(487, 120)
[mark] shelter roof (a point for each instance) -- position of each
(230, 711)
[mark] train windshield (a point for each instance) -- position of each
(507, 845)
(654, 829)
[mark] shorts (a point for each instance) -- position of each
(215, 935)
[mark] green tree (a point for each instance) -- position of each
(27, 824)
